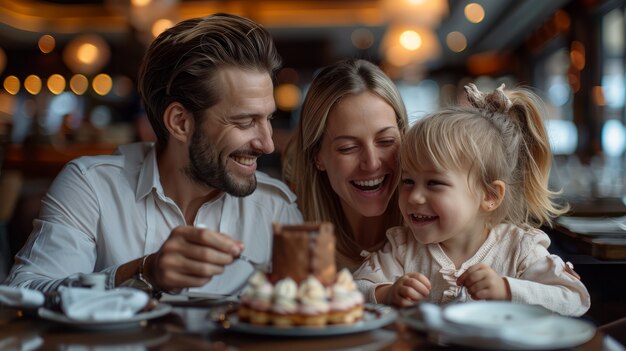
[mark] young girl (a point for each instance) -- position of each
(473, 193)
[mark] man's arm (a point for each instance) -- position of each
(190, 257)
(63, 240)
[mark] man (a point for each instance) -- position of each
(152, 215)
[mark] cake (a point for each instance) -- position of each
(303, 287)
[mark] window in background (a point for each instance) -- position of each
(420, 99)
(553, 86)
(613, 82)
(550, 76)
(611, 180)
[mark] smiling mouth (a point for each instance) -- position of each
(422, 218)
(246, 161)
(369, 185)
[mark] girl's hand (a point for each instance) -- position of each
(483, 283)
(407, 290)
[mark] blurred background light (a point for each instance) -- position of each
(287, 96)
(86, 54)
(102, 84)
(474, 12)
(613, 138)
(563, 136)
(11, 85)
(32, 84)
(79, 84)
(56, 84)
(46, 43)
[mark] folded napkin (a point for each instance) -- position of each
(20, 297)
(97, 305)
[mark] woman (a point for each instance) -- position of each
(342, 160)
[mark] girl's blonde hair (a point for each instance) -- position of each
(316, 198)
(501, 138)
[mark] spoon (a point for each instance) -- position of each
(242, 257)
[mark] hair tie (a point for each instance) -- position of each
(496, 101)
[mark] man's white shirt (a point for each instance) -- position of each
(103, 211)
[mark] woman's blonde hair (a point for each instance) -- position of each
(316, 198)
(501, 138)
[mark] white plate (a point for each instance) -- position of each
(374, 317)
(487, 316)
(504, 326)
(59, 317)
(554, 332)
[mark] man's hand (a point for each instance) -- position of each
(483, 283)
(190, 257)
(406, 291)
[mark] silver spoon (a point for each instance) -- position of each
(255, 265)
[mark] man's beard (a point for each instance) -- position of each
(205, 168)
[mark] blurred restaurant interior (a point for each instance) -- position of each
(68, 72)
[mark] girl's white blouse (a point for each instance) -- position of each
(534, 275)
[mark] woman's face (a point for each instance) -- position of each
(359, 152)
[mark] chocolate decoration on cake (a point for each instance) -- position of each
(302, 250)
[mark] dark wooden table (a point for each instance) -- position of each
(599, 259)
(191, 328)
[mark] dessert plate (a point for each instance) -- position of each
(59, 317)
(374, 317)
(502, 325)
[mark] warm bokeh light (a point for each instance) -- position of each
(33, 84)
(397, 56)
(102, 84)
(287, 96)
(562, 20)
(144, 15)
(362, 38)
(79, 84)
(405, 45)
(410, 40)
(598, 96)
(86, 54)
(456, 41)
(56, 84)
(577, 55)
(474, 12)
(416, 12)
(12, 85)
(46, 43)
(160, 26)
(140, 3)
